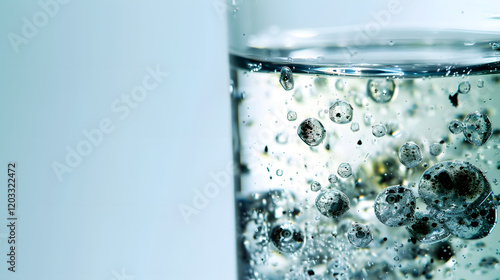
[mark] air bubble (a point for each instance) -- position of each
(360, 235)
(332, 203)
(333, 179)
(279, 172)
(344, 170)
(452, 186)
(427, 228)
(476, 222)
(480, 83)
(354, 127)
(287, 238)
(435, 149)
(464, 87)
(286, 78)
(495, 46)
(315, 186)
(395, 206)
(341, 112)
(291, 116)
(410, 155)
(379, 130)
(456, 126)
(311, 131)
(381, 90)
(477, 128)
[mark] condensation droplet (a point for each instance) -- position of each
(480, 83)
(464, 87)
(379, 130)
(395, 206)
(332, 203)
(341, 112)
(315, 186)
(456, 126)
(311, 131)
(360, 235)
(477, 128)
(286, 78)
(291, 116)
(410, 154)
(354, 127)
(381, 90)
(435, 149)
(344, 170)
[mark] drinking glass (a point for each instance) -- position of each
(365, 136)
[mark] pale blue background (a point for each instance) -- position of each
(118, 209)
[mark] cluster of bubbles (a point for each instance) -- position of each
(476, 128)
(459, 202)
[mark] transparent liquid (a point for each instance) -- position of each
(281, 233)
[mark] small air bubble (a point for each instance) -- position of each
(291, 116)
(286, 78)
(464, 87)
(315, 186)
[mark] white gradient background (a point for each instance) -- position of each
(118, 209)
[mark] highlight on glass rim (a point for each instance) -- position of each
(367, 147)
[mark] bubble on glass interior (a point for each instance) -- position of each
(286, 78)
(333, 179)
(477, 128)
(354, 127)
(360, 235)
(453, 186)
(340, 85)
(464, 87)
(279, 172)
(428, 227)
(379, 130)
(395, 206)
(332, 203)
(410, 154)
(344, 170)
(456, 126)
(311, 131)
(480, 83)
(287, 238)
(381, 90)
(315, 186)
(341, 112)
(291, 116)
(476, 222)
(435, 149)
